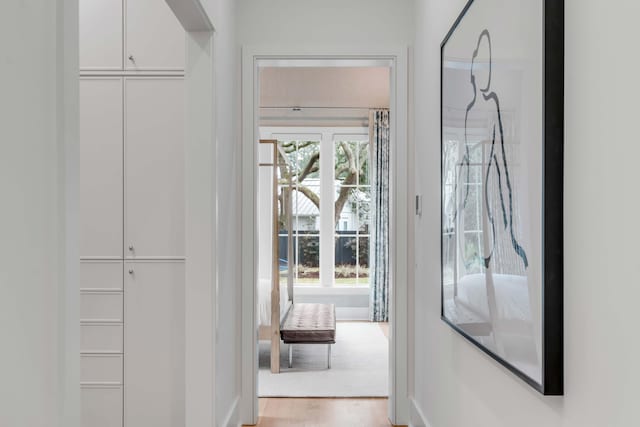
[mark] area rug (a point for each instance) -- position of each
(359, 366)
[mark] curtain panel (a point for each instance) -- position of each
(379, 253)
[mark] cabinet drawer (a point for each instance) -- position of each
(101, 338)
(102, 406)
(101, 275)
(101, 306)
(101, 369)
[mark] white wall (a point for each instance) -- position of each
(333, 26)
(39, 361)
(455, 384)
(227, 84)
(325, 23)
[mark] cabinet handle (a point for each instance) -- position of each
(131, 248)
(131, 271)
(132, 59)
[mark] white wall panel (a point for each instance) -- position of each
(101, 34)
(154, 168)
(154, 37)
(101, 114)
(155, 344)
(39, 361)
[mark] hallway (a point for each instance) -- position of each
(371, 412)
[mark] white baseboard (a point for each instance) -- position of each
(233, 416)
(416, 416)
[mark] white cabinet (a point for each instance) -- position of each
(154, 362)
(155, 39)
(101, 338)
(101, 276)
(154, 168)
(101, 171)
(101, 406)
(130, 35)
(101, 33)
(101, 342)
(132, 125)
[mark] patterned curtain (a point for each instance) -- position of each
(379, 251)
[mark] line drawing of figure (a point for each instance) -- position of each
(496, 150)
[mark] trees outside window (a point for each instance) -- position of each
(325, 164)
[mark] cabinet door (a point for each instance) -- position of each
(101, 406)
(155, 39)
(100, 34)
(154, 141)
(101, 168)
(154, 344)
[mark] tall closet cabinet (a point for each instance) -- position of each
(132, 225)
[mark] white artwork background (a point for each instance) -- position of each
(492, 179)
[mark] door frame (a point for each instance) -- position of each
(400, 208)
(200, 213)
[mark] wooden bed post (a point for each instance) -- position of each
(275, 270)
(273, 331)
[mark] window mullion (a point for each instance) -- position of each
(327, 208)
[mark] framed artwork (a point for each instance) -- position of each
(502, 84)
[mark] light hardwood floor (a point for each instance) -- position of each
(306, 412)
(323, 412)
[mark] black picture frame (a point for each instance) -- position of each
(552, 299)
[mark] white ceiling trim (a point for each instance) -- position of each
(318, 62)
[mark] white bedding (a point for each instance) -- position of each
(264, 301)
(513, 332)
(512, 296)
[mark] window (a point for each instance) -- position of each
(304, 173)
(459, 160)
(331, 203)
(353, 200)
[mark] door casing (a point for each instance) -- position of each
(401, 168)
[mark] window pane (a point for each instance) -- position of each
(308, 160)
(308, 259)
(345, 260)
(362, 202)
(346, 209)
(291, 152)
(346, 162)
(306, 215)
(363, 257)
(286, 197)
(364, 176)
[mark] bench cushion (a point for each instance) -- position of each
(310, 324)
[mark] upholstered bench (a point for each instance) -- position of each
(310, 324)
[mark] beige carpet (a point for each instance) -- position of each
(359, 366)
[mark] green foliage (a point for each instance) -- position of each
(309, 250)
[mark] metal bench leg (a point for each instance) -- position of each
(291, 355)
(329, 356)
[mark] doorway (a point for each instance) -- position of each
(259, 124)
